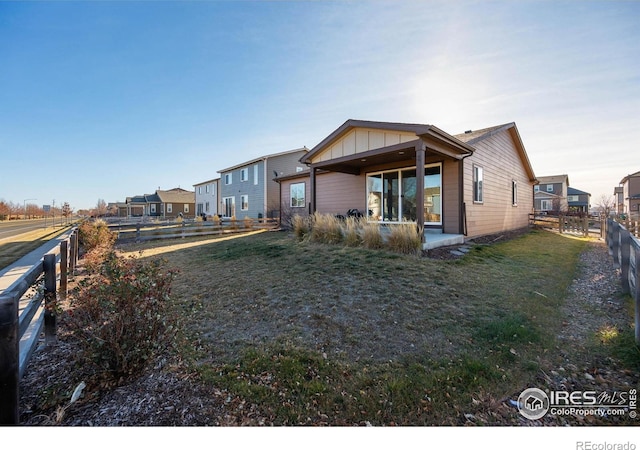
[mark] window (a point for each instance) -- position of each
(206, 188)
(199, 189)
(169, 207)
(213, 189)
(546, 205)
(199, 208)
(206, 207)
(229, 206)
(186, 207)
(228, 178)
(255, 174)
(536, 188)
(514, 192)
(478, 179)
(244, 202)
(153, 208)
(573, 198)
(297, 192)
(244, 174)
(549, 187)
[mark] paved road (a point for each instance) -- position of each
(11, 228)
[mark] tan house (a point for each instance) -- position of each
(471, 184)
(631, 194)
(172, 203)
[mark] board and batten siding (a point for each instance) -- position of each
(360, 140)
(501, 164)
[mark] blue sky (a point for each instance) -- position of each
(104, 100)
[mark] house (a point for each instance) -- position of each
(551, 193)
(471, 184)
(578, 201)
(249, 189)
(207, 198)
(166, 204)
(631, 194)
(618, 195)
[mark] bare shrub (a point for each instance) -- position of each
(404, 238)
(301, 226)
(326, 229)
(371, 235)
(351, 231)
(93, 234)
(121, 315)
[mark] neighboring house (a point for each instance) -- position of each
(117, 209)
(579, 201)
(631, 194)
(249, 189)
(166, 204)
(207, 198)
(551, 193)
(476, 183)
(618, 196)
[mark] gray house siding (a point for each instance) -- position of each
(262, 192)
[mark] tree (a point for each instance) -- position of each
(4, 210)
(66, 211)
(101, 208)
(606, 204)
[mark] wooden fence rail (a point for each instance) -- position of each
(150, 231)
(568, 224)
(26, 308)
(625, 250)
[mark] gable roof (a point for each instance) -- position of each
(176, 195)
(551, 179)
(421, 130)
(473, 137)
(574, 191)
(208, 181)
(263, 158)
(624, 180)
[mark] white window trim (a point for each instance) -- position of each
(186, 208)
(304, 195)
(255, 174)
(478, 190)
(244, 197)
(169, 208)
(549, 187)
(228, 178)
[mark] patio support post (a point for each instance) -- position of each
(420, 158)
(312, 181)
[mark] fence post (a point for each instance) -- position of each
(73, 257)
(137, 232)
(560, 223)
(635, 289)
(625, 247)
(9, 360)
(50, 298)
(615, 243)
(64, 268)
(183, 228)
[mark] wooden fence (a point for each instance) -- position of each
(568, 224)
(625, 250)
(149, 231)
(26, 308)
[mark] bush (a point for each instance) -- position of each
(351, 231)
(96, 234)
(404, 238)
(121, 315)
(301, 226)
(371, 235)
(326, 229)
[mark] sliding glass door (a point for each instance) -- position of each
(392, 195)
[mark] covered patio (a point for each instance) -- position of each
(389, 186)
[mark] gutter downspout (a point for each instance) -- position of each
(266, 188)
(462, 222)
